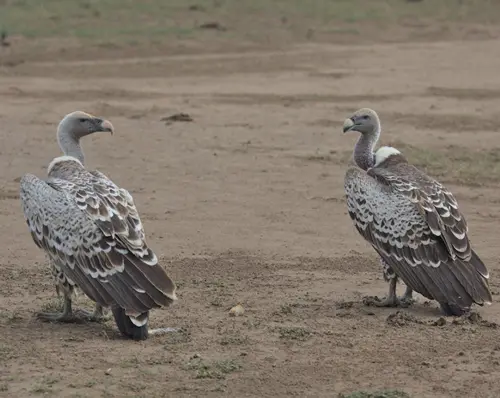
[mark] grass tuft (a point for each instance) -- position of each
(294, 333)
(129, 21)
(452, 164)
(455, 164)
(213, 370)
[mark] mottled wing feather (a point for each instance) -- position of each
(436, 203)
(419, 233)
(438, 206)
(378, 230)
(92, 231)
(114, 211)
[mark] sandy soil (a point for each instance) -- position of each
(245, 205)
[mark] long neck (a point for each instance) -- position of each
(364, 150)
(70, 145)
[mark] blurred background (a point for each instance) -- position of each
(56, 27)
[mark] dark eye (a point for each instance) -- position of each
(366, 117)
(82, 120)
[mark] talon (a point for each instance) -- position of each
(65, 316)
(96, 316)
(70, 316)
(377, 302)
(390, 301)
(58, 317)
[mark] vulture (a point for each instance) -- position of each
(413, 222)
(92, 233)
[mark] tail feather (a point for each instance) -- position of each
(453, 309)
(140, 320)
(456, 285)
(135, 328)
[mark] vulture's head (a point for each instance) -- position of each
(79, 124)
(364, 120)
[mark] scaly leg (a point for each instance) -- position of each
(65, 316)
(65, 288)
(392, 300)
(408, 296)
(76, 316)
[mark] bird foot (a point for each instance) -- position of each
(389, 301)
(95, 316)
(65, 317)
(76, 316)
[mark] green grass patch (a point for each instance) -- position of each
(111, 20)
(212, 370)
(234, 339)
(45, 386)
(455, 164)
(294, 333)
(451, 164)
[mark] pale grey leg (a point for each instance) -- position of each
(408, 296)
(392, 300)
(69, 316)
(65, 316)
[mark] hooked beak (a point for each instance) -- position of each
(106, 126)
(348, 125)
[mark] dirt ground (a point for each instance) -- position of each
(245, 204)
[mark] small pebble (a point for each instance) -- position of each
(237, 310)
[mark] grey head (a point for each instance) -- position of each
(366, 122)
(76, 125)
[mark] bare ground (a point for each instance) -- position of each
(245, 205)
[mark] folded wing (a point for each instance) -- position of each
(415, 225)
(92, 231)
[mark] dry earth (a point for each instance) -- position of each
(245, 205)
